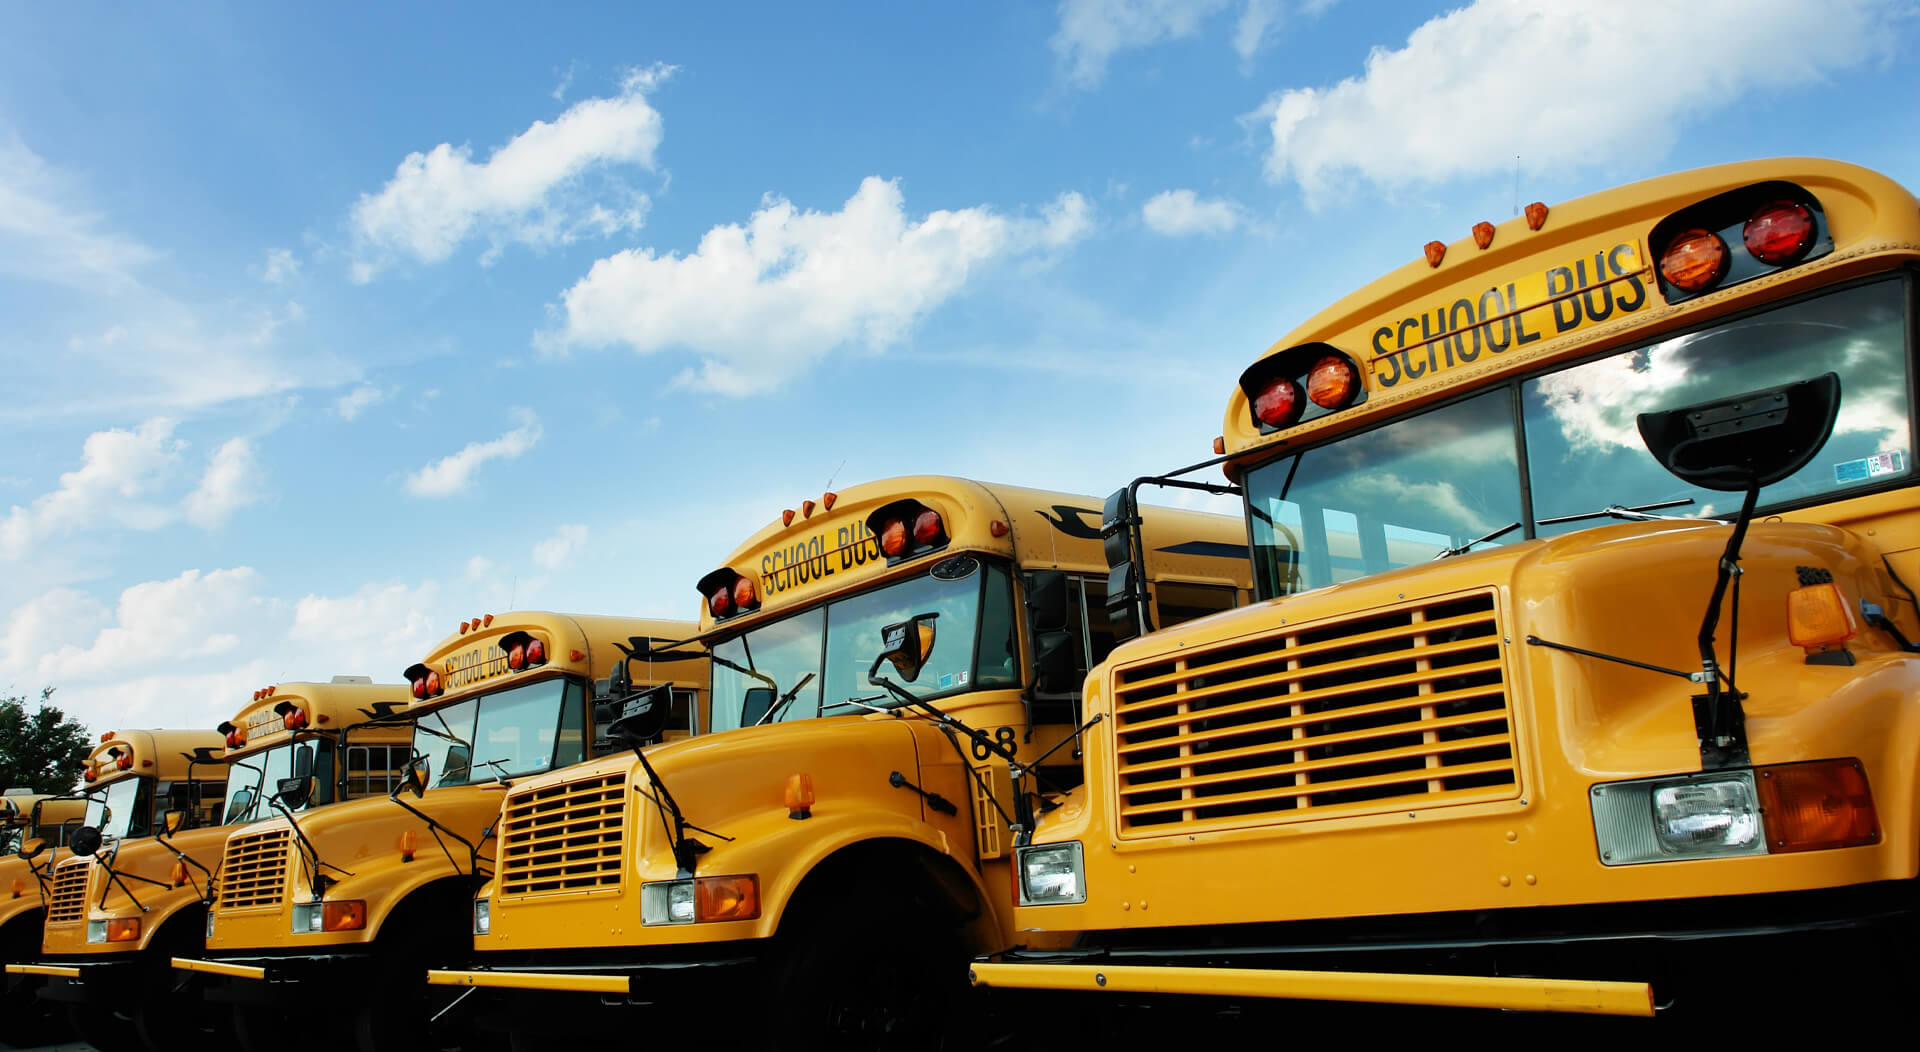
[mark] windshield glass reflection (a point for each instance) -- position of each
(1405, 492)
(504, 734)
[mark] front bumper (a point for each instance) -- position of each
(275, 980)
(78, 981)
(607, 974)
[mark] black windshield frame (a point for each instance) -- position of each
(1267, 573)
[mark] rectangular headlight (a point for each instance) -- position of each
(96, 931)
(1052, 875)
(666, 902)
(209, 924)
(482, 916)
(1711, 815)
(308, 917)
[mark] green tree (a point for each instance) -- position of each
(43, 748)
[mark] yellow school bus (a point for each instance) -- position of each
(366, 895)
(1582, 674)
(33, 829)
(834, 842)
(118, 918)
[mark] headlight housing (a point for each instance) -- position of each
(1053, 874)
(96, 931)
(482, 916)
(1707, 815)
(666, 902)
(331, 915)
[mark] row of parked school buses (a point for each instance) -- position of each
(1562, 661)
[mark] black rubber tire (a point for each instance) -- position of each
(863, 984)
(106, 1030)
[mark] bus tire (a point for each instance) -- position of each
(105, 1029)
(844, 976)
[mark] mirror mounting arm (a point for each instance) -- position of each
(206, 895)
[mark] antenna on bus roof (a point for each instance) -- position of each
(1516, 184)
(835, 475)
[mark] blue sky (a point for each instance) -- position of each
(327, 329)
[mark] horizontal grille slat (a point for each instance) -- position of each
(563, 838)
(253, 874)
(1377, 710)
(67, 904)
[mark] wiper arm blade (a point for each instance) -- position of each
(1633, 514)
(1461, 549)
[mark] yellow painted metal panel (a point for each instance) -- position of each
(1455, 991)
(236, 971)
(592, 984)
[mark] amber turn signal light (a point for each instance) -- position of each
(1818, 616)
(1815, 806)
(1694, 260)
(726, 898)
(343, 915)
(123, 929)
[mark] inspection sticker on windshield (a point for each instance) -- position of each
(1891, 462)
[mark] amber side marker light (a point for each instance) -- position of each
(1817, 806)
(1818, 616)
(726, 898)
(799, 796)
(123, 929)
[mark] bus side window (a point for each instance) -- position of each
(1090, 639)
(1175, 601)
(996, 657)
(374, 769)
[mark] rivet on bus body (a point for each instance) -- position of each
(1512, 836)
(1531, 879)
(1130, 867)
(1143, 903)
(1126, 905)
(1099, 978)
(1505, 881)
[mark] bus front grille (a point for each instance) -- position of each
(254, 873)
(1380, 710)
(68, 902)
(563, 838)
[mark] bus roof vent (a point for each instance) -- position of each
(364, 681)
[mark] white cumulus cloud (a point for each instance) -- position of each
(190, 616)
(566, 542)
(119, 471)
(1177, 213)
(759, 301)
(231, 481)
(351, 403)
(530, 191)
(452, 474)
(1561, 92)
(1093, 31)
(281, 265)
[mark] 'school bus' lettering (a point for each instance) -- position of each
(1586, 291)
(809, 559)
(474, 665)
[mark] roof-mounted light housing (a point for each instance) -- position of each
(728, 593)
(907, 529)
(1300, 384)
(1775, 225)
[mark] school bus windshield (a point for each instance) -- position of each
(1408, 491)
(249, 796)
(837, 642)
(123, 809)
(520, 730)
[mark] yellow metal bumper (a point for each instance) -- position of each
(235, 971)
(1457, 991)
(43, 969)
(590, 984)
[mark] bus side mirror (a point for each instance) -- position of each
(31, 847)
(84, 841)
(908, 644)
(642, 718)
(294, 792)
(1126, 591)
(173, 821)
(619, 680)
(1750, 440)
(302, 762)
(239, 804)
(415, 778)
(753, 708)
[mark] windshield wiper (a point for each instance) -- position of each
(785, 699)
(1633, 514)
(1460, 549)
(499, 769)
